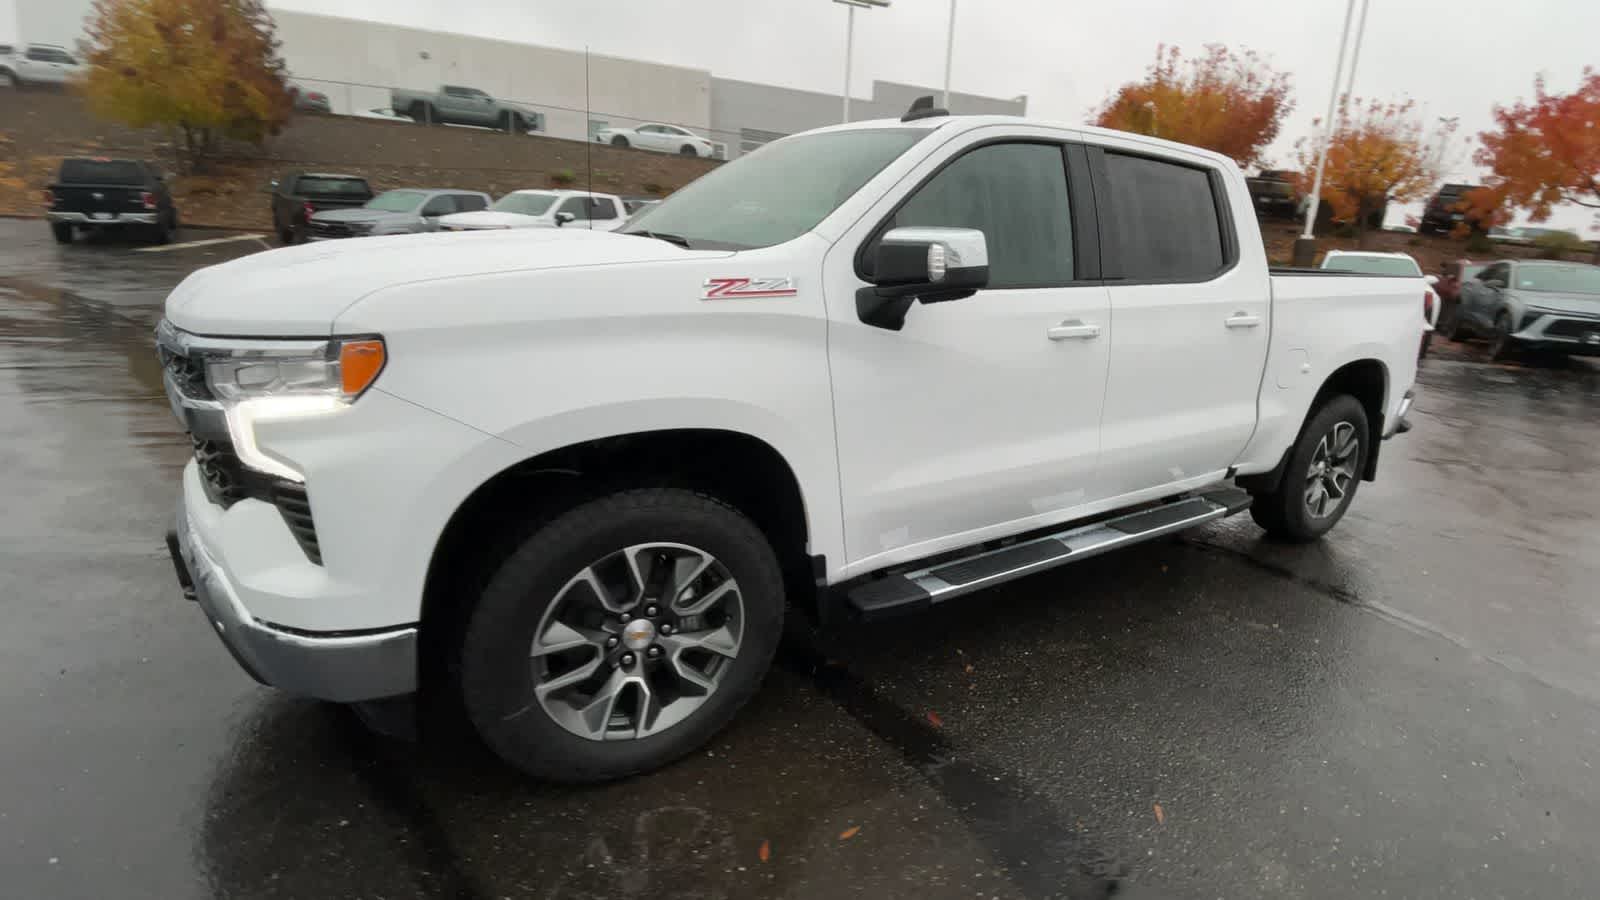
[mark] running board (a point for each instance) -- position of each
(917, 589)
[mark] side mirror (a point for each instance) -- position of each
(931, 264)
(1431, 280)
(563, 218)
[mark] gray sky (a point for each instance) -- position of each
(1454, 57)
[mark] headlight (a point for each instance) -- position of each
(271, 380)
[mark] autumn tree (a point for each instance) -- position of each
(1377, 154)
(1229, 102)
(1542, 154)
(204, 69)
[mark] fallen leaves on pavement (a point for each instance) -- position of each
(765, 853)
(849, 833)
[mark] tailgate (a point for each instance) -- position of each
(98, 200)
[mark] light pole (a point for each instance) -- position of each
(849, 43)
(949, 53)
(1305, 247)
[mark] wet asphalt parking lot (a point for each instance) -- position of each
(1406, 709)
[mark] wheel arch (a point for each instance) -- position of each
(736, 467)
(1365, 379)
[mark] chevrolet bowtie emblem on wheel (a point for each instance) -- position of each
(746, 288)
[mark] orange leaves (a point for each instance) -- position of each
(1545, 152)
(765, 853)
(1229, 102)
(208, 66)
(1161, 815)
(850, 832)
(934, 720)
(1377, 154)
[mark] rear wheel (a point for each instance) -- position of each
(421, 113)
(619, 141)
(7, 80)
(62, 232)
(1454, 328)
(162, 232)
(1321, 476)
(621, 635)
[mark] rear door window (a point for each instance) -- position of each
(470, 203)
(1164, 219)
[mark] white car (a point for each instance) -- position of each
(658, 137)
(578, 480)
(543, 209)
(36, 64)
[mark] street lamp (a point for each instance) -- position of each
(849, 42)
(1306, 247)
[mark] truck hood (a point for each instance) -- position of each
(489, 218)
(302, 290)
(1578, 304)
(365, 216)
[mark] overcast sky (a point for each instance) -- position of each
(1454, 58)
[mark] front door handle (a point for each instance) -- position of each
(1242, 319)
(1073, 330)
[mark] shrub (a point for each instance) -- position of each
(1554, 244)
(654, 189)
(563, 178)
(1478, 244)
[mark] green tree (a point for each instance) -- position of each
(203, 69)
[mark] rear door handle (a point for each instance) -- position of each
(1242, 320)
(1073, 330)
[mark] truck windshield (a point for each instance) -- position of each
(1373, 265)
(396, 201)
(778, 192)
(331, 186)
(524, 204)
(1559, 279)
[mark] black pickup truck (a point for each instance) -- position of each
(95, 193)
(298, 195)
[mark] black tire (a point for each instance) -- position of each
(1502, 346)
(497, 677)
(8, 80)
(62, 232)
(688, 150)
(1284, 513)
(163, 230)
(421, 113)
(286, 236)
(508, 122)
(619, 141)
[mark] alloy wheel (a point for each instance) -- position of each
(1333, 470)
(637, 641)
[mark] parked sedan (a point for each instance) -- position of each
(1532, 305)
(402, 211)
(543, 209)
(658, 137)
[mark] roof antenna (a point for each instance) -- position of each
(923, 108)
(588, 126)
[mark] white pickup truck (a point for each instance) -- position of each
(577, 480)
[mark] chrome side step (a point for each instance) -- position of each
(917, 589)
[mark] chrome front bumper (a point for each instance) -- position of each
(78, 218)
(345, 667)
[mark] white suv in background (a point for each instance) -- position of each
(36, 64)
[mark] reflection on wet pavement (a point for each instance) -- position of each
(1407, 708)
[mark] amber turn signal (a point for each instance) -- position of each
(359, 365)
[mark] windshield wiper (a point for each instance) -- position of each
(678, 239)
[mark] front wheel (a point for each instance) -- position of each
(1502, 346)
(1321, 476)
(688, 150)
(62, 232)
(621, 635)
(1451, 323)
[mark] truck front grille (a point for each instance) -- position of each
(188, 372)
(295, 507)
(227, 481)
(1572, 328)
(338, 229)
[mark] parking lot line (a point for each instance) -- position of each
(205, 243)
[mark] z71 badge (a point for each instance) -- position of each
(746, 288)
